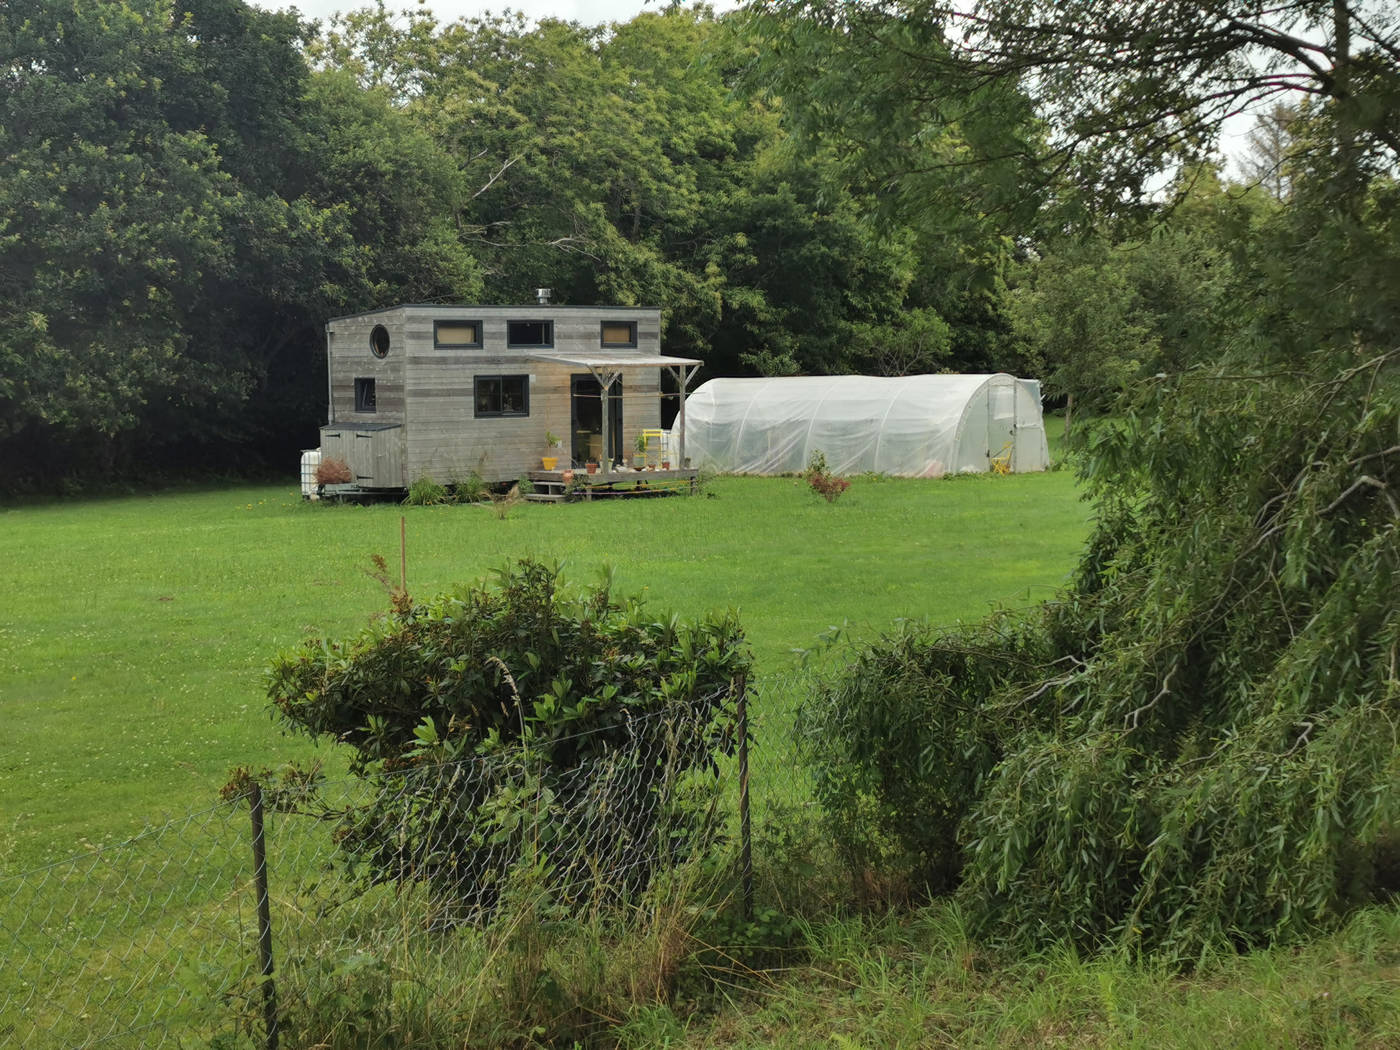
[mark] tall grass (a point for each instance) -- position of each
(916, 980)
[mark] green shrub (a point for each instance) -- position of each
(521, 726)
(425, 492)
(900, 741)
(471, 489)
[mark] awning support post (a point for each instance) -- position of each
(605, 382)
(683, 375)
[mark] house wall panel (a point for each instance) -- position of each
(431, 390)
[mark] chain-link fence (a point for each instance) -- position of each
(312, 899)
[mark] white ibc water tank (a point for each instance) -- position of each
(310, 460)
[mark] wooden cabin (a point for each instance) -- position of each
(447, 391)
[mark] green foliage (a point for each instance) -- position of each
(1201, 750)
(471, 489)
(182, 204)
(425, 492)
(1098, 316)
(900, 742)
(533, 689)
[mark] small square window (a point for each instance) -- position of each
(529, 333)
(502, 396)
(364, 395)
(457, 334)
(619, 333)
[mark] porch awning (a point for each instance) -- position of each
(613, 361)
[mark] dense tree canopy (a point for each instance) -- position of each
(180, 213)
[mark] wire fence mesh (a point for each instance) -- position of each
(123, 944)
(382, 891)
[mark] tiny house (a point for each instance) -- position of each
(448, 391)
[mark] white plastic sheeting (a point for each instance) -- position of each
(919, 426)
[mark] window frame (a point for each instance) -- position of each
(630, 344)
(548, 334)
(501, 377)
(367, 405)
(480, 333)
(380, 341)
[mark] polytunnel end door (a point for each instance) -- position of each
(1001, 426)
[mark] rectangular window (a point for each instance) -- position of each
(502, 396)
(529, 333)
(620, 333)
(364, 395)
(457, 334)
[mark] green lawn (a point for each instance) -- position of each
(134, 631)
(132, 643)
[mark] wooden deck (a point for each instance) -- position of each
(550, 486)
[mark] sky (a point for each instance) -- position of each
(589, 12)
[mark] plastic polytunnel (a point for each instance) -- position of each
(919, 426)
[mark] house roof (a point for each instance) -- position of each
(523, 309)
(616, 359)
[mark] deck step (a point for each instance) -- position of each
(546, 497)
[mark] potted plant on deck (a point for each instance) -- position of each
(550, 458)
(639, 461)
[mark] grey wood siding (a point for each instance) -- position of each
(374, 455)
(350, 358)
(431, 390)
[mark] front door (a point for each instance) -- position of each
(586, 416)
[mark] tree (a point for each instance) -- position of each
(182, 206)
(621, 166)
(1125, 89)
(1270, 141)
(1100, 317)
(113, 211)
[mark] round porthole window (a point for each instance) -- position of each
(379, 340)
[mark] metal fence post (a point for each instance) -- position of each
(745, 839)
(269, 986)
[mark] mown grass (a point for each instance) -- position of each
(134, 631)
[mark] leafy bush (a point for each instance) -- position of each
(828, 486)
(900, 743)
(1198, 744)
(821, 480)
(521, 725)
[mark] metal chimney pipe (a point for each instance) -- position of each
(543, 294)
